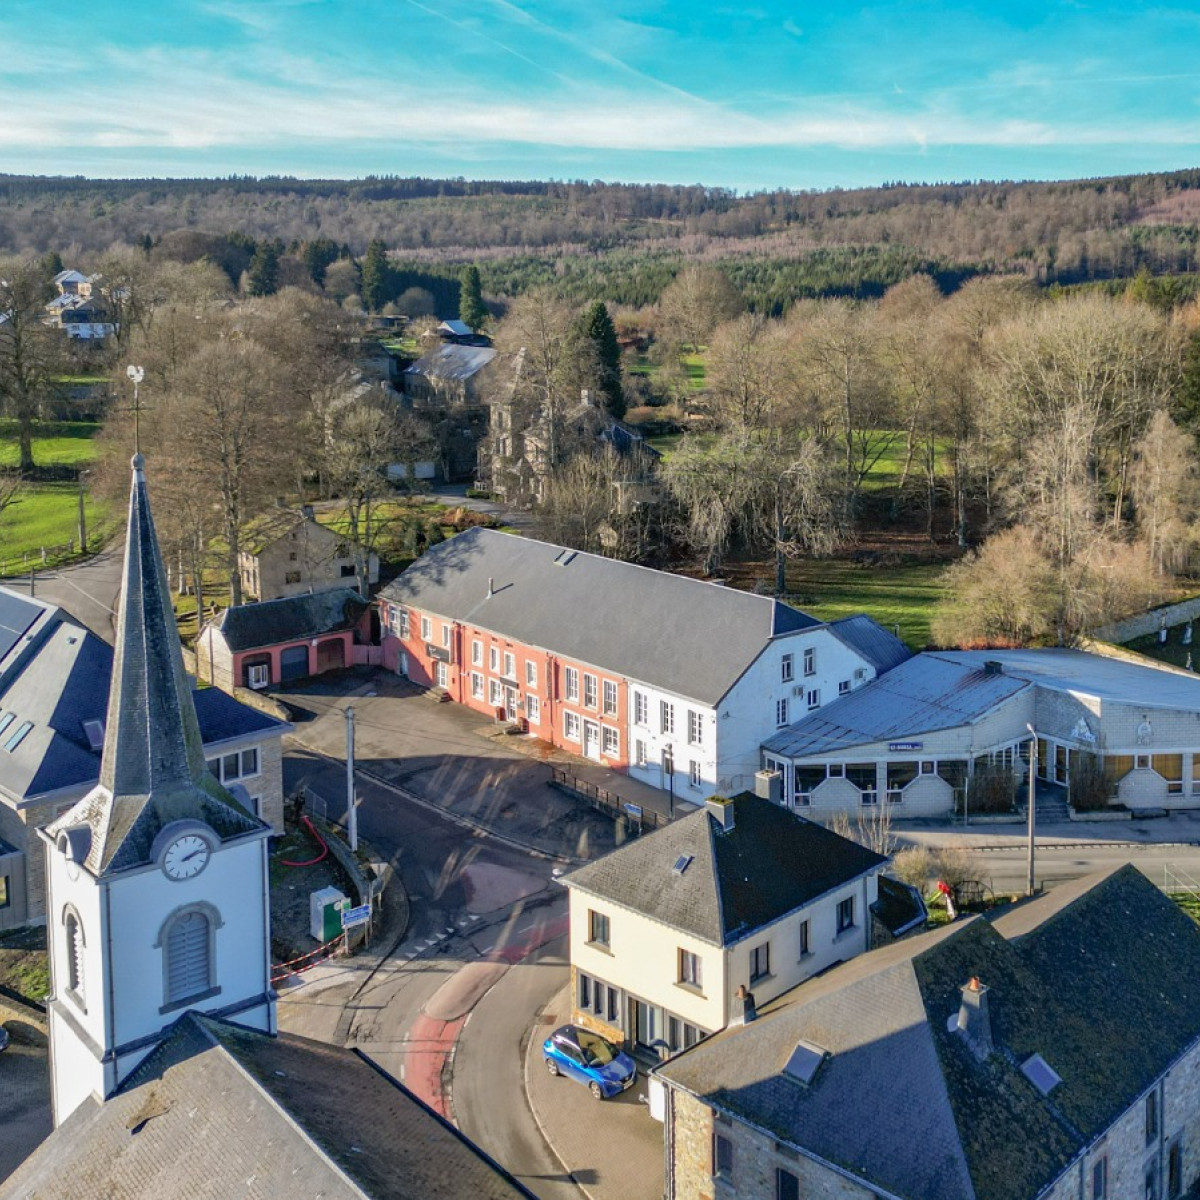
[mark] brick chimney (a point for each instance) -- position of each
(743, 1006)
(973, 1021)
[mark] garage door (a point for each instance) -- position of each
(331, 655)
(293, 664)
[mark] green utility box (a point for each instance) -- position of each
(325, 913)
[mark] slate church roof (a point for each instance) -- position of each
(218, 1111)
(769, 864)
(1101, 977)
(152, 769)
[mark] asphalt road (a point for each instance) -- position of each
(87, 591)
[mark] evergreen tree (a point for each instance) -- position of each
(471, 308)
(263, 272)
(596, 325)
(375, 277)
(318, 255)
(52, 263)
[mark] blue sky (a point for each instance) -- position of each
(746, 95)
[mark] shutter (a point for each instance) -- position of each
(187, 957)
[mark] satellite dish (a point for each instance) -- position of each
(136, 374)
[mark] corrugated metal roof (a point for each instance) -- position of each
(927, 693)
(683, 635)
(1146, 685)
(452, 362)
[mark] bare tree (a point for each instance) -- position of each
(29, 352)
(694, 304)
(1165, 489)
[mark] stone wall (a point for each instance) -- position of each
(1150, 622)
(756, 1158)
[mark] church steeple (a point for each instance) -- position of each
(152, 769)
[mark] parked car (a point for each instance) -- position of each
(595, 1062)
(3, 1038)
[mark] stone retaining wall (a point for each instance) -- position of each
(1149, 622)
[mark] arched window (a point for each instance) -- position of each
(187, 940)
(73, 934)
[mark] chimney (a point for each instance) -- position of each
(993, 667)
(306, 511)
(973, 1021)
(722, 809)
(743, 1006)
(491, 587)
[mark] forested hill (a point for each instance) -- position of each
(776, 245)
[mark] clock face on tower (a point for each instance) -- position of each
(186, 856)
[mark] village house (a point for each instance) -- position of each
(1052, 1051)
(676, 681)
(923, 738)
(742, 894)
(287, 552)
(54, 686)
(258, 646)
(450, 374)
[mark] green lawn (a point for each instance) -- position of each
(902, 595)
(46, 514)
(55, 443)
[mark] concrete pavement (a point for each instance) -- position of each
(612, 1148)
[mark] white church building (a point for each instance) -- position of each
(157, 879)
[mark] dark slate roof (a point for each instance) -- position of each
(899, 907)
(291, 619)
(65, 683)
(17, 616)
(883, 650)
(688, 637)
(220, 1111)
(1101, 977)
(926, 693)
(771, 863)
(152, 768)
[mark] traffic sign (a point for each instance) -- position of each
(356, 916)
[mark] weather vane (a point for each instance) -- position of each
(137, 374)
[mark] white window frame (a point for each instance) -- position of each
(591, 691)
(476, 652)
(666, 716)
(493, 658)
(571, 684)
(695, 733)
(843, 687)
(510, 665)
(441, 674)
(571, 726)
(787, 668)
(641, 708)
(531, 673)
(608, 696)
(447, 629)
(813, 699)
(640, 757)
(810, 661)
(610, 742)
(495, 693)
(426, 629)
(476, 685)
(781, 713)
(402, 614)
(533, 710)
(695, 773)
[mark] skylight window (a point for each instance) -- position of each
(6, 719)
(804, 1062)
(1041, 1074)
(18, 737)
(681, 864)
(95, 733)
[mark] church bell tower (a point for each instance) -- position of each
(158, 884)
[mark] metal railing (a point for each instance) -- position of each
(609, 803)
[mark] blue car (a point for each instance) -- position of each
(587, 1057)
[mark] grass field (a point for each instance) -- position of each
(903, 595)
(46, 513)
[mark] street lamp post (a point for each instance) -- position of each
(1033, 750)
(669, 767)
(351, 808)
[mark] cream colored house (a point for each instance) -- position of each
(287, 553)
(741, 893)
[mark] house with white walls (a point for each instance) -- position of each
(674, 680)
(671, 930)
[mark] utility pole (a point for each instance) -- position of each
(351, 810)
(82, 520)
(1033, 749)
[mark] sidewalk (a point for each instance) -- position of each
(612, 1148)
